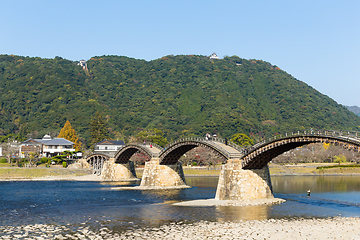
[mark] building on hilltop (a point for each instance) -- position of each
(46, 147)
(83, 64)
(109, 147)
(214, 56)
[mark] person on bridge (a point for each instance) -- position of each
(207, 136)
(150, 145)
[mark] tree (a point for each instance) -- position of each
(69, 133)
(98, 129)
(32, 156)
(242, 140)
(153, 135)
(339, 159)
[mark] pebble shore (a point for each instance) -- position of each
(330, 228)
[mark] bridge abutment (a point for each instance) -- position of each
(118, 171)
(236, 183)
(157, 175)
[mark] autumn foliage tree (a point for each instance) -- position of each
(69, 133)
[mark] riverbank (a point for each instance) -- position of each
(330, 228)
(8, 173)
(276, 170)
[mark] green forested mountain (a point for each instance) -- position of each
(180, 95)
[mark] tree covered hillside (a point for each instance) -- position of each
(180, 95)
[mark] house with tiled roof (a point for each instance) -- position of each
(109, 147)
(46, 147)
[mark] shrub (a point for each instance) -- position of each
(64, 164)
(44, 160)
(194, 163)
(3, 160)
(337, 166)
(340, 159)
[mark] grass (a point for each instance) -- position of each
(314, 168)
(28, 173)
(187, 171)
(201, 172)
(5, 165)
(339, 166)
(8, 172)
(279, 169)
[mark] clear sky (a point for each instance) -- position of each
(317, 42)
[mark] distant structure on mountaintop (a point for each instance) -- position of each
(83, 64)
(214, 56)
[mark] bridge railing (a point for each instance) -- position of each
(345, 135)
(212, 141)
(150, 143)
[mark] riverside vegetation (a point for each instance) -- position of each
(181, 96)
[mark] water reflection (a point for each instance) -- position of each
(317, 184)
(202, 182)
(227, 213)
(120, 183)
(164, 193)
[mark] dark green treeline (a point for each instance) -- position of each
(180, 95)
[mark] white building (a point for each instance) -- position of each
(46, 147)
(109, 147)
(214, 56)
(82, 63)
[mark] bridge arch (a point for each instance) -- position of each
(257, 156)
(125, 153)
(173, 152)
(96, 161)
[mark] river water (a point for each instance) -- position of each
(95, 204)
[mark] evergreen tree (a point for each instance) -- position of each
(242, 140)
(69, 133)
(98, 129)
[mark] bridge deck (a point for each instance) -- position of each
(155, 150)
(227, 148)
(233, 153)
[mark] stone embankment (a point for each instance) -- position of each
(331, 228)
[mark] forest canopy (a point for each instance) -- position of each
(181, 96)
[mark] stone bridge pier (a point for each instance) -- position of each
(158, 175)
(236, 183)
(118, 171)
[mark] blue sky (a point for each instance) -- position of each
(317, 42)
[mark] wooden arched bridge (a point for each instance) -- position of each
(254, 157)
(245, 176)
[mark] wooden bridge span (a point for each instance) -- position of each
(254, 157)
(244, 176)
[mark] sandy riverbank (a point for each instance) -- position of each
(214, 202)
(331, 228)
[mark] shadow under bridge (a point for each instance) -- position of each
(150, 150)
(96, 161)
(260, 154)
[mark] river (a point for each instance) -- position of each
(96, 204)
